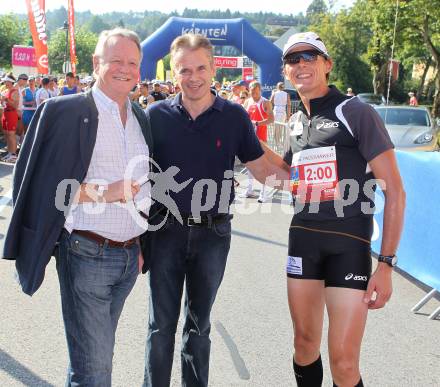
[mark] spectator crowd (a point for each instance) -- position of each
(21, 96)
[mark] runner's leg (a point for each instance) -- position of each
(347, 318)
(306, 304)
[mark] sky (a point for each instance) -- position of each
(102, 6)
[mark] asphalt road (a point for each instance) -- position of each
(251, 329)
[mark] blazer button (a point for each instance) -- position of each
(86, 120)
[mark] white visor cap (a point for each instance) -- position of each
(309, 38)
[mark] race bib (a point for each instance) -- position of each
(314, 175)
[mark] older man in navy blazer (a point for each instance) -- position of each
(91, 139)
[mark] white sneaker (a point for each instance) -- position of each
(11, 159)
(263, 199)
(6, 157)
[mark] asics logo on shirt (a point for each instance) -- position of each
(327, 125)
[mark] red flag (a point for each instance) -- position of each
(37, 25)
(71, 16)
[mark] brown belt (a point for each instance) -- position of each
(101, 240)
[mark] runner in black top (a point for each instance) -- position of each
(338, 145)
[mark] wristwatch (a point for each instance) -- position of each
(390, 260)
(100, 191)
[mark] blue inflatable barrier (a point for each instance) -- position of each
(221, 32)
(418, 251)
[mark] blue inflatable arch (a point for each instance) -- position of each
(221, 32)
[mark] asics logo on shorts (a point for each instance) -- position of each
(327, 125)
(350, 276)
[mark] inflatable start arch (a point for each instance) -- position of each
(221, 32)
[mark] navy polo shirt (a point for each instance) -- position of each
(203, 149)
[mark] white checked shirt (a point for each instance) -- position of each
(115, 147)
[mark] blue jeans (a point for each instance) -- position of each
(197, 257)
(94, 280)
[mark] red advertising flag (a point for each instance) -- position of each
(71, 15)
(37, 25)
(393, 67)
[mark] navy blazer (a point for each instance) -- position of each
(58, 145)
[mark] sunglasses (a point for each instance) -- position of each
(306, 56)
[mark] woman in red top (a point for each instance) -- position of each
(10, 100)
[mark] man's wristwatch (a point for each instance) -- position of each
(390, 260)
(100, 191)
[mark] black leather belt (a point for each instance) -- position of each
(204, 220)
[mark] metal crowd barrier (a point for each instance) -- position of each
(277, 140)
(277, 137)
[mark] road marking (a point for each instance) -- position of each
(4, 201)
(238, 361)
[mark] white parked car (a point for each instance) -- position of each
(410, 128)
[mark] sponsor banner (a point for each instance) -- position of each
(71, 17)
(37, 26)
(226, 62)
(232, 62)
(247, 74)
(24, 56)
(219, 32)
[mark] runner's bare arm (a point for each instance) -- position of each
(274, 158)
(385, 168)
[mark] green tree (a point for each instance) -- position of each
(381, 18)
(85, 42)
(316, 7)
(96, 25)
(346, 35)
(56, 18)
(315, 10)
(422, 36)
(12, 31)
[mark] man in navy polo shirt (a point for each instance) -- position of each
(200, 134)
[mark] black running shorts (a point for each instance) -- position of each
(337, 251)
